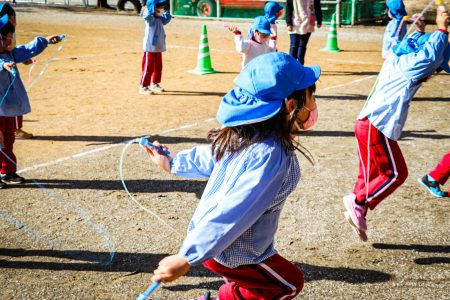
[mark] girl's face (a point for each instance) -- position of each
(280, 14)
(310, 104)
(261, 37)
(304, 114)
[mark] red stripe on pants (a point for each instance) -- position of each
(387, 167)
(18, 122)
(7, 127)
(274, 278)
(442, 171)
(151, 68)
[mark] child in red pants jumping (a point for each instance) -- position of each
(438, 176)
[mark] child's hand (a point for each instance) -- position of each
(171, 268)
(289, 28)
(53, 39)
(420, 23)
(442, 19)
(144, 8)
(28, 61)
(233, 29)
(8, 66)
(158, 158)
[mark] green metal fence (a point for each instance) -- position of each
(350, 12)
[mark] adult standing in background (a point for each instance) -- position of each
(301, 17)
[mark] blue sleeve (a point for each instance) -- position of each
(416, 66)
(166, 17)
(2, 61)
(35, 47)
(238, 209)
(195, 163)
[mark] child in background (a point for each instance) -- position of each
(396, 28)
(14, 98)
(252, 168)
(301, 17)
(258, 40)
(273, 11)
(155, 17)
(384, 116)
(439, 175)
(6, 9)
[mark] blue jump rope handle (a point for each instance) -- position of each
(13, 71)
(62, 36)
(144, 142)
(149, 291)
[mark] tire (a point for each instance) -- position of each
(136, 4)
(206, 8)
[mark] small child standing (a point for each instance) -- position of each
(155, 17)
(259, 40)
(382, 168)
(6, 9)
(273, 11)
(14, 99)
(252, 168)
(396, 28)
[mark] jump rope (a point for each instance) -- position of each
(366, 173)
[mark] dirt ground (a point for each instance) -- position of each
(57, 241)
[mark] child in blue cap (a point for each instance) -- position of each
(396, 28)
(252, 168)
(272, 12)
(155, 17)
(382, 168)
(259, 40)
(6, 9)
(13, 97)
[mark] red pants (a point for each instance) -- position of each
(151, 68)
(386, 169)
(7, 127)
(275, 278)
(18, 122)
(442, 171)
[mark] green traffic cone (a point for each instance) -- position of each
(203, 59)
(332, 43)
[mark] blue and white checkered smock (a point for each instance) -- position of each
(237, 217)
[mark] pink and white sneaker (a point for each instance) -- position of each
(362, 234)
(356, 215)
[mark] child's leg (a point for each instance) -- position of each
(275, 278)
(7, 127)
(147, 69)
(442, 171)
(157, 67)
(304, 38)
(387, 170)
(293, 49)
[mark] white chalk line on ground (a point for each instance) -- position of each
(354, 62)
(101, 149)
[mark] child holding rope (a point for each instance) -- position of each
(252, 168)
(14, 99)
(259, 40)
(155, 17)
(382, 168)
(6, 9)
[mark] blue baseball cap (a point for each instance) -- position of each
(261, 24)
(271, 9)
(396, 8)
(151, 4)
(261, 88)
(3, 21)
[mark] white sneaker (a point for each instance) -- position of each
(156, 88)
(144, 90)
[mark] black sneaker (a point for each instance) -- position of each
(2, 185)
(13, 178)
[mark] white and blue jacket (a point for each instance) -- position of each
(155, 36)
(398, 82)
(237, 217)
(391, 38)
(16, 102)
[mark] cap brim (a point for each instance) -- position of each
(264, 31)
(311, 75)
